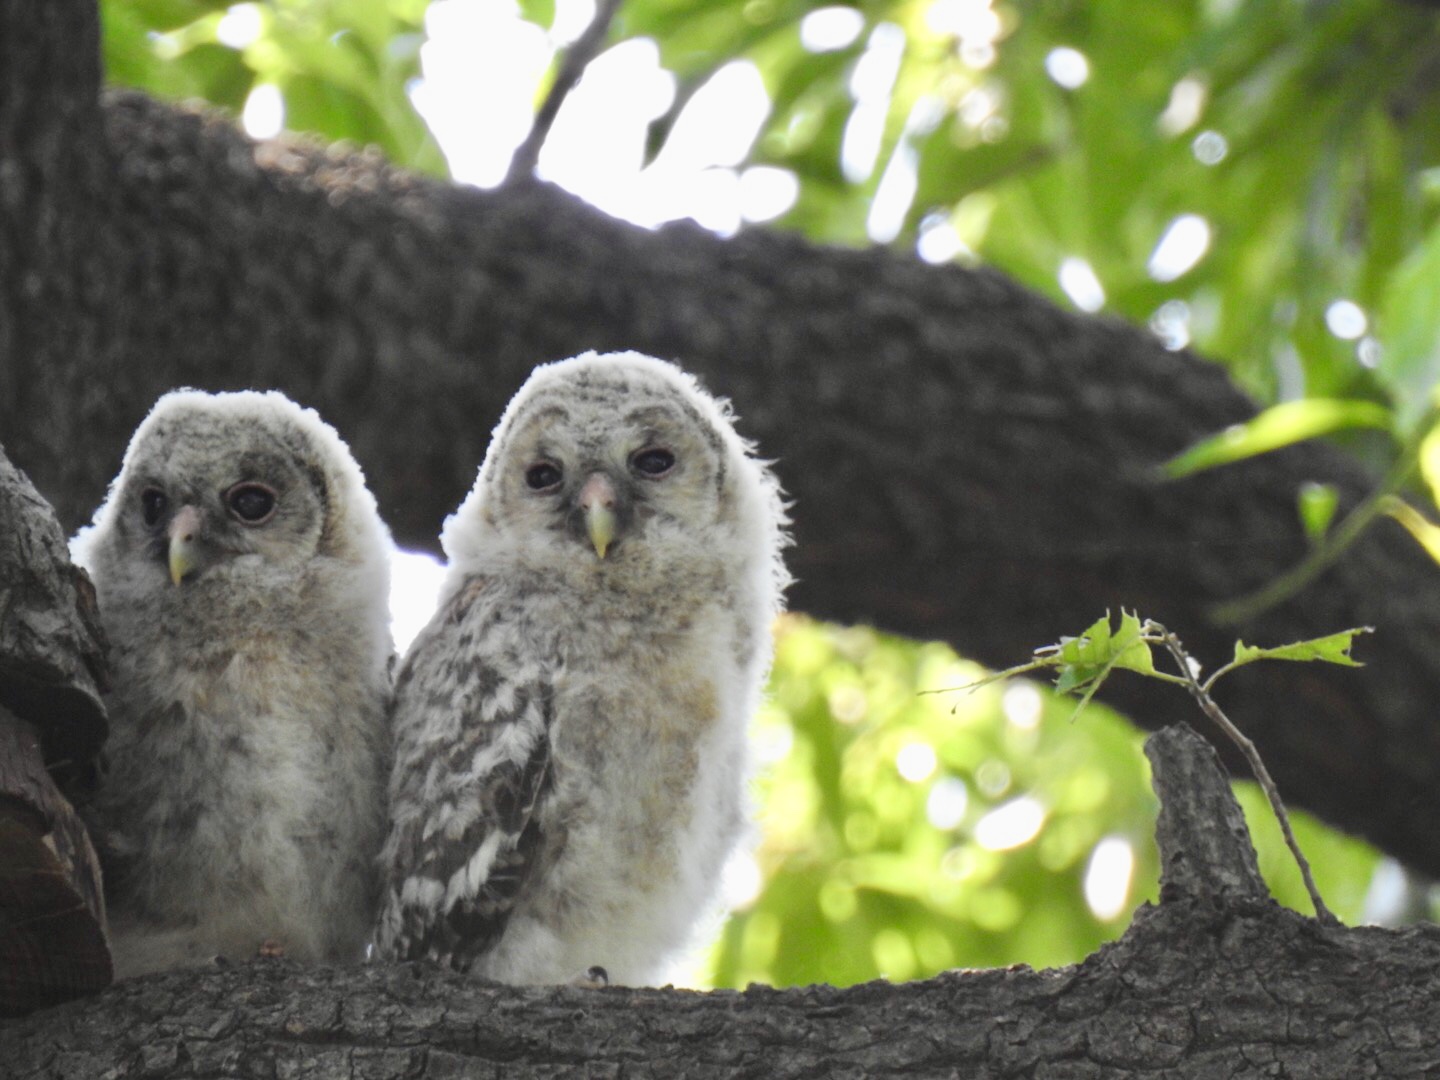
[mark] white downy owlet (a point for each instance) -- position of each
(571, 726)
(242, 573)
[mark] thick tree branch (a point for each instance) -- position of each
(1191, 990)
(969, 462)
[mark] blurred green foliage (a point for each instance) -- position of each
(906, 831)
(1298, 141)
(342, 67)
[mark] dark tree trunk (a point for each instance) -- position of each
(52, 914)
(1215, 982)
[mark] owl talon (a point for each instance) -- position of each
(270, 949)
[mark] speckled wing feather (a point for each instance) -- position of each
(472, 726)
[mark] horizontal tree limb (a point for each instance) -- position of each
(968, 461)
(1208, 984)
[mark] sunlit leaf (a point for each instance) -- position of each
(1099, 648)
(1343, 866)
(540, 12)
(163, 15)
(1317, 504)
(1425, 532)
(344, 67)
(1332, 648)
(1410, 331)
(1429, 462)
(1280, 425)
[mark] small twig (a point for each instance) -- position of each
(1252, 756)
(1321, 558)
(1338, 541)
(577, 59)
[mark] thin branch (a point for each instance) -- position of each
(1257, 765)
(1321, 558)
(577, 59)
(1338, 541)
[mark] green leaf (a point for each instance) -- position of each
(1279, 425)
(539, 12)
(1099, 647)
(1084, 662)
(1129, 649)
(1090, 647)
(1074, 676)
(1424, 531)
(162, 15)
(1333, 649)
(1317, 504)
(1410, 332)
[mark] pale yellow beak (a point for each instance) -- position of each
(184, 533)
(597, 499)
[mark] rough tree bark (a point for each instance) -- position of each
(968, 461)
(1217, 981)
(52, 913)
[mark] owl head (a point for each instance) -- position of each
(617, 465)
(234, 493)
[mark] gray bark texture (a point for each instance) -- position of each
(968, 461)
(1216, 981)
(52, 913)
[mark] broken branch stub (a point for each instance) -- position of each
(1205, 848)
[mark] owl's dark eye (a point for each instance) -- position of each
(653, 462)
(543, 476)
(152, 504)
(251, 503)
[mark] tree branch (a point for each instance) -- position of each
(1191, 990)
(577, 59)
(969, 462)
(1253, 760)
(1205, 848)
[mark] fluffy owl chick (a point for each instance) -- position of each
(242, 573)
(571, 726)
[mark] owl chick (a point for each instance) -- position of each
(242, 573)
(571, 726)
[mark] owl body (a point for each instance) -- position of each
(571, 728)
(244, 795)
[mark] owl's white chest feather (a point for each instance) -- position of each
(244, 799)
(649, 768)
(570, 728)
